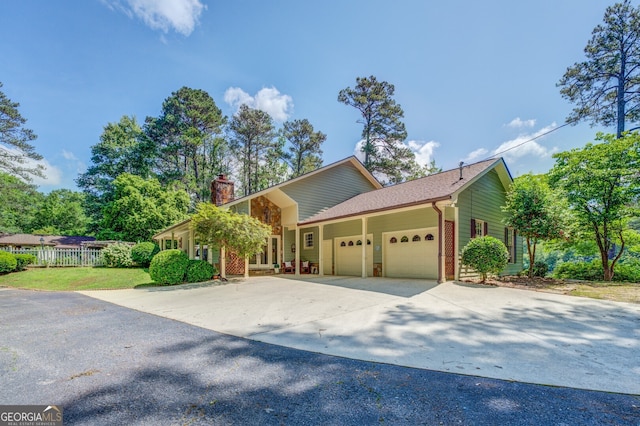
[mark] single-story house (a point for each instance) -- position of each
(339, 220)
(31, 241)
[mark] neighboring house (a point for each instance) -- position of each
(341, 220)
(29, 241)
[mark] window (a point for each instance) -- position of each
(404, 239)
(350, 243)
(308, 240)
(510, 242)
(479, 228)
(429, 237)
(393, 240)
(416, 238)
(359, 242)
(343, 244)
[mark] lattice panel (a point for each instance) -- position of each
(449, 249)
(234, 264)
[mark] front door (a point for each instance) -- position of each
(270, 254)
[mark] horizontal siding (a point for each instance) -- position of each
(326, 189)
(484, 200)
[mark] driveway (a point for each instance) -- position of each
(492, 332)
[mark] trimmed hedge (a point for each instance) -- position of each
(169, 267)
(117, 255)
(200, 270)
(485, 255)
(8, 262)
(142, 253)
(24, 260)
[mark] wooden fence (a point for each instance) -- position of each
(61, 256)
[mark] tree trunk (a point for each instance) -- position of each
(532, 255)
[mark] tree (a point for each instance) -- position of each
(122, 149)
(305, 152)
(137, 208)
(240, 233)
(383, 132)
(601, 182)
(606, 87)
(486, 255)
(252, 136)
(187, 142)
(20, 202)
(61, 213)
(532, 210)
(15, 149)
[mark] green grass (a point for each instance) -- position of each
(72, 279)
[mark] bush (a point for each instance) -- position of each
(117, 255)
(142, 253)
(169, 267)
(8, 262)
(200, 270)
(485, 255)
(577, 270)
(628, 270)
(23, 260)
(540, 269)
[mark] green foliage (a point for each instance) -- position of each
(239, 233)
(486, 255)
(600, 183)
(383, 131)
(14, 135)
(305, 152)
(577, 270)
(200, 270)
(8, 262)
(61, 213)
(117, 255)
(23, 260)
(188, 149)
(534, 211)
(142, 253)
(540, 269)
(252, 141)
(20, 202)
(138, 208)
(604, 87)
(169, 267)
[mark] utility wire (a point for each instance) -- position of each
(529, 140)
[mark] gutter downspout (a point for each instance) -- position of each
(433, 204)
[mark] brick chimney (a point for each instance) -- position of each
(221, 190)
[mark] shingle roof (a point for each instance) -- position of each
(431, 188)
(59, 241)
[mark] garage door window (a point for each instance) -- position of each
(393, 240)
(404, 239)
(416, 238)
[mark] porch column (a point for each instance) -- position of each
(192, 245)
(246, 267)
(223, 262)
(296, 258)
(364, 247)
(441, 259)
(320, 252)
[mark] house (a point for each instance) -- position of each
(343, 222)
(31, 241)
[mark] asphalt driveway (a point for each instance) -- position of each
(493, 332)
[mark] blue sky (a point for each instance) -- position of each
(473, 78)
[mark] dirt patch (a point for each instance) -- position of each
(619, 292)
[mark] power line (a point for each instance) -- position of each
(529, 140)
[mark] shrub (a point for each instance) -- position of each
(23, 260)
(485, 255)
(8, 262)
(142, 253)
(577, 270)
(628, 270)
(200, 270)
(540, 269)
(169, 267)
(117, 255)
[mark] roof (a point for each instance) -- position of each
(352, 159)
(59, 241)
(435, 187)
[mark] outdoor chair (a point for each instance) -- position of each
(305, 268)
(289, 267)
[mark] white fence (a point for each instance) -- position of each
(61, 256)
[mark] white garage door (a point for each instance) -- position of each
(349, 255)
(411, 254)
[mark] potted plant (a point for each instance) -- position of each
(276, 268)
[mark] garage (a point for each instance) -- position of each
(348, 257)
(411, 253)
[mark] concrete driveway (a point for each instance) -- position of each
(495, 332)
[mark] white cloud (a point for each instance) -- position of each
(52, 174)
(69, 155)
(524, 146)
(423, 151)
(518, 123)
(268, 99)
(178, 15)
(475, 155)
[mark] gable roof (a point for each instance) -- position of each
(352, 160)
(436, 187)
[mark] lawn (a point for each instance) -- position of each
(72, 279)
